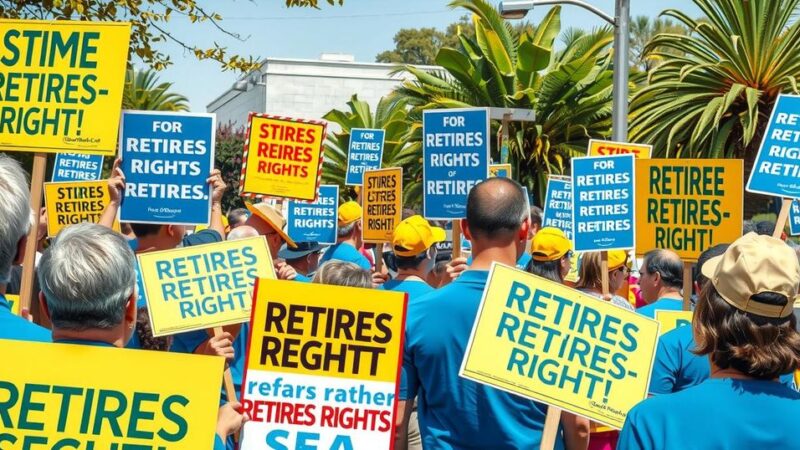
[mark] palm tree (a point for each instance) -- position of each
(144, 92)
(643, 30)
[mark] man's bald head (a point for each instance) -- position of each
(496, 209)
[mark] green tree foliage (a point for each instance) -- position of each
(643, 29)
(144, 92)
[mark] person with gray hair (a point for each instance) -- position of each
(15, 222)
(343, 273)
(661, 282)
(88, 285)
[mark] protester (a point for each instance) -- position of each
(242, 232)
(590, 278)
(413, 243)
(455, 412)
(343, 273)
(15, 222)
(88, 284)
(270, 223)
(660, 282)
(744, 324)
(304, 259)
(349, 240)
(237, 217)
(536, 221)
(551, 252)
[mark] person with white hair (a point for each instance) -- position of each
(15, 222)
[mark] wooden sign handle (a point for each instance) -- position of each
(604, 273)
(550, 431)
(227, 379)
(456, 239)
(29, 261)
(688, 284)
(780, 224)
(379, 257)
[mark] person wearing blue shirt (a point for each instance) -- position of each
(304, 259)
(454, 412)
(15, 222)
(661, 281)
(744, 324)
(413, 243)
(349, 237)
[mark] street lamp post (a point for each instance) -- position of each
(619, 115)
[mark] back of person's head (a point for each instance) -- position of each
(242, 232)
(550, 253)
(237, 217)
(536, 216)
(87, 276)
(590, 274)
(697, 270)
(145, 229)
(348, 218)
(342, 273)
(15, 213)
(764, 227)
(496, 210)
(667, 265)
(744, 317)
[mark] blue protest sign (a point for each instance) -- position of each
(602, 198)
(794, 218)
(315, 221)
(77, 167)
(166, 158)
(558, 205)
(777, 166)
(365, 153)
(456, 157)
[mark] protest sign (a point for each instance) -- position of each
(203, 286)
(62, 85)
(688, 205)
(608, 148)
(77, 167)
(500, 170)
(455, 145)
(282, 158)
(776, 170)
(315, 221)
(602, 198)
(539, 339)
(794, 218)
(558, 204)
(66, 396)
(13, 302)
(71, 203)
(322, 367)
(383, 204)
(167, 158)
(365, 153)
(669, 320)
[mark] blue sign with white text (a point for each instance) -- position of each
(558, 205)
(315, 221)
(365, 153)
(166, 159)
(602, 200)
(77, 167)
(777, 167)
(456, 158)
(794, 218)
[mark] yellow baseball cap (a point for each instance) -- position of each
(549, 244)
(414, 236)
(617, 259)
(349, 212)
(273, 218)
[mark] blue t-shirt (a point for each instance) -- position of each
(664, 304)
(414, 288)
(16, 328)
(719, 414)
(456, 413)
(302, 279)
(346, 252)
(522, 262)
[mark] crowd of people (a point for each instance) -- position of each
(725, 382)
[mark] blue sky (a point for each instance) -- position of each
(362, 28)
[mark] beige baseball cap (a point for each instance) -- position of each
(273, 217)
(752, 265)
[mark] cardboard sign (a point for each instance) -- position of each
(203, 286)
(282, 158)
(455, 145)
(13, 302)
(500, 170)
(328, 358)
(62, 85)
(688, 205)
(602, 196)
(365, 153)
(383, 204)
(167, 158)
(67, 396)
(71, 203)
(794, 218)
(609, 148)
(77, 167)
(558, 204)
(776, 170)
(315, 221)
(547, 342)
(669, 320)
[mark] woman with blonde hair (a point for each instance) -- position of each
(591, 276)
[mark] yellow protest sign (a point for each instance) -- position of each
(66, 396)
(62, 85)
(330, 357)
(13, 302)
(500, 170)
(282, 158)
(203, 286)
(669, 320)
(544, 341)
(605, 148)
(383, 204)
(75, 202)
(688, 205)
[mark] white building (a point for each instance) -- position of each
(306, 89)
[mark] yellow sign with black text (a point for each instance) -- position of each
(383, 204)
(70, 203)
